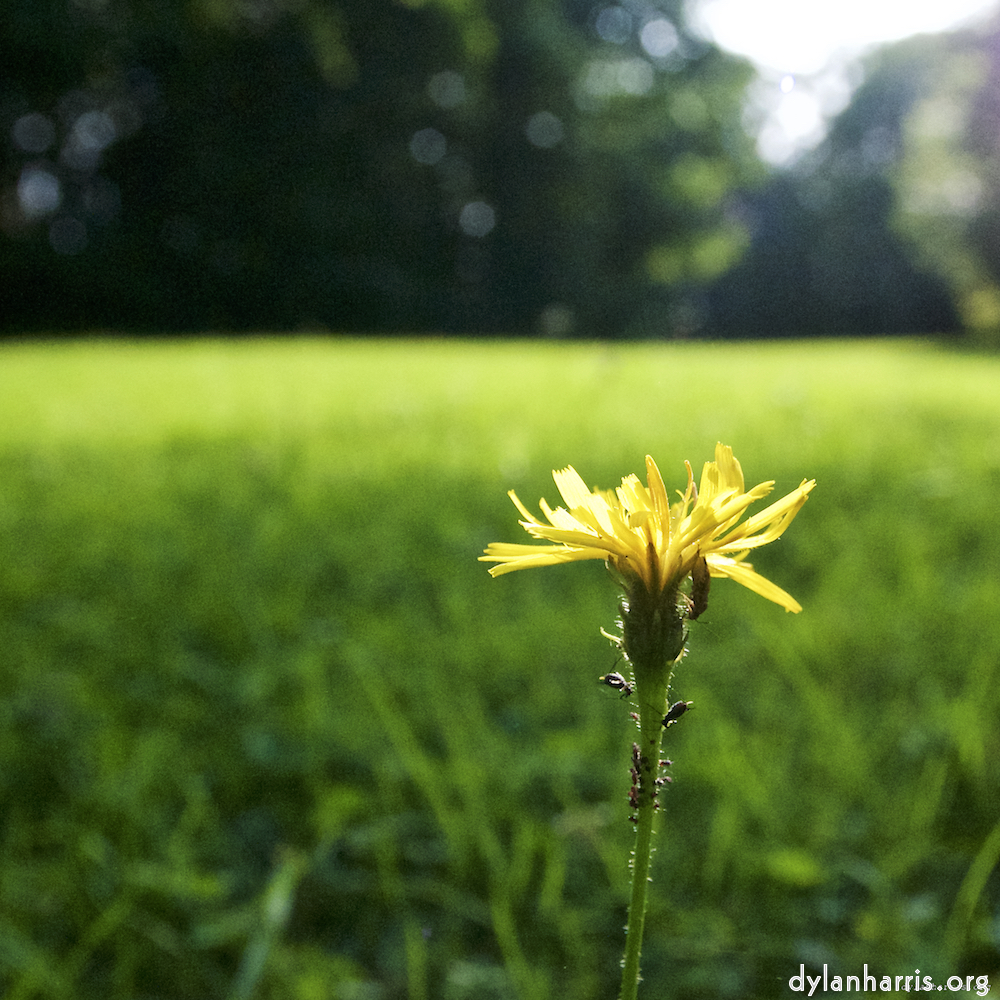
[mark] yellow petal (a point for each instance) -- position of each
(744, 574)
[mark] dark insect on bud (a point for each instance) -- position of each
(616, 681)
(700, 582)
(676, 710)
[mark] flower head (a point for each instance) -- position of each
(651, 543)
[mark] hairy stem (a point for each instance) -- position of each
(654, 629)
(645, 770)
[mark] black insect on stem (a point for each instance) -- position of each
(676, 710)
(616, 681)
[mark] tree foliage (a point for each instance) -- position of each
(825, 255)
(401, 164)
(949, 178)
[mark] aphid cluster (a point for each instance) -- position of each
(636, 773)
(674, 712)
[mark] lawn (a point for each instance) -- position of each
(270, 730)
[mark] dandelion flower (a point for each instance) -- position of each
(650, 543)
(664, 555)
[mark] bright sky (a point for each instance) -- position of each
(805, 51)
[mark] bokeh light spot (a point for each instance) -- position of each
(33, 133)
(446, 89)
(94, 131)
(556, 320)
(38, 191)
(477, 219)
(544, 130)
(614, 24)
(659, 38)
(428, 146)
(795, 123)
(610, 77)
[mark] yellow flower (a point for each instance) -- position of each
(649, 541)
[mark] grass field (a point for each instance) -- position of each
(267, 728)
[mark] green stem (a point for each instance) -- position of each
(647, 767)
(654, 629)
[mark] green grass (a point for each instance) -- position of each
(268, 729)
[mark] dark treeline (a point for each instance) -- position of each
(496, 166)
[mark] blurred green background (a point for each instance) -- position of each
(269, 730)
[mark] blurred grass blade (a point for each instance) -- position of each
(276, 906)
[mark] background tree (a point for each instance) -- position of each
(949, 176)
(825, 256)
(483, 166)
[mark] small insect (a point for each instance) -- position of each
(676, 710)
(701, 580)
(616, 681)
(636, 768)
